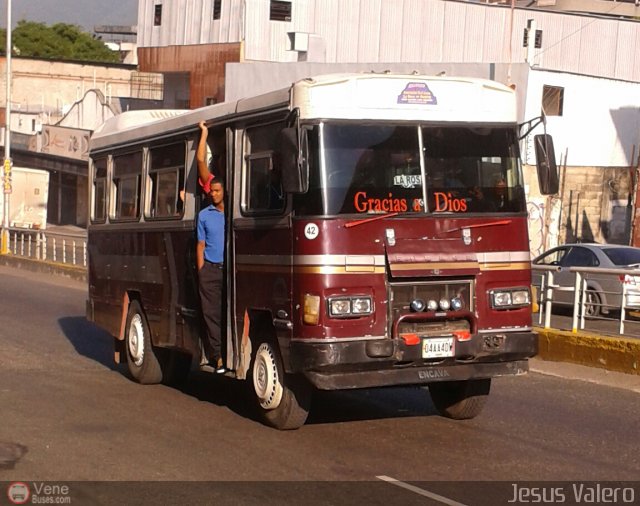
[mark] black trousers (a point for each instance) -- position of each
(210, 287)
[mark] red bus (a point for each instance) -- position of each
(376, 236)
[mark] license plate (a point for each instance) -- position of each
(438, 347)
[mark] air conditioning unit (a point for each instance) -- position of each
(299, 41)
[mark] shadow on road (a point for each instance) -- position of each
(221, 391)
(327, 407)
(370, 404)
(89, 340)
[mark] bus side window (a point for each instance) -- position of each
(127, 170)
(264, 188)
(99, 212)
(262, 177)
(166, 181)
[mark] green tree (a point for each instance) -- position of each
(60, 41)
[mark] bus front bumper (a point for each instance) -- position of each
(387, 362)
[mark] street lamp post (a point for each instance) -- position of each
(4, 247)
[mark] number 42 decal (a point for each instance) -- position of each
(311, 231)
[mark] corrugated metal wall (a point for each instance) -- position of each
(205, 65)
(401, 31)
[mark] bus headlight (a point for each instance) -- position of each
(340, 307)
(509, 298)
(520, 297)
(345, 307)
(361, 305)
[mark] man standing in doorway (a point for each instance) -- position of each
(210, 261)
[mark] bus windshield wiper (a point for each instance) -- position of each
(477, 225)
(372, 218)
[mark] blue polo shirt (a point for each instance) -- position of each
(211, 231)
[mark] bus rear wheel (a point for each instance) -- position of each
(460, 400)
(283, 399)
(141, 359)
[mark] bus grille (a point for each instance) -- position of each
(401, 295)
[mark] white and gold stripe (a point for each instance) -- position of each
(375, 264)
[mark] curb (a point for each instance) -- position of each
(70, 271)
(619, 354)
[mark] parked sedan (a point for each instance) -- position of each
(604, 291)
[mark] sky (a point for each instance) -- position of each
(86, 13)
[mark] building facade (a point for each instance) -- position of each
(54, 107)
(381, 31)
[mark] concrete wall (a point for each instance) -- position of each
(91, 111)
(53, 87)
(593, 205)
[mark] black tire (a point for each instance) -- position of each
(460, 400)
(175, 366)
(283, 399)
(141, 359)
(593, 304)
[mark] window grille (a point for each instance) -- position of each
(280, 11)
(552, 100)
(157, 15)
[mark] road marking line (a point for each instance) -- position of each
(420, 491)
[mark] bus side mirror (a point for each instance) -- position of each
(546, 164)
(294, 155)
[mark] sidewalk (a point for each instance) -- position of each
(584, 373)
(75, 272)
(67, 230)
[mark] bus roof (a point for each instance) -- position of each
(365, 96)
(405, 97)
(134, 126)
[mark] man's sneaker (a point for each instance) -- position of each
(220, 369)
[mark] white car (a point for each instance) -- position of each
(604, 291)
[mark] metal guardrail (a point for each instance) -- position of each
(43, 245)
(543, 280)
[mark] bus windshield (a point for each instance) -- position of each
(378, 168)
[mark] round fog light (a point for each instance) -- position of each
(417, 305)
(456, 304)
(444, 304)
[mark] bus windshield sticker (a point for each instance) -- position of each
(389, 204)
(408, 180)
(417, 93)
(447, 202)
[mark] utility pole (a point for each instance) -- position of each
(4, 247)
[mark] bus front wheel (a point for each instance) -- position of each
(460, 400)
(283, 399)
(141, 359)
